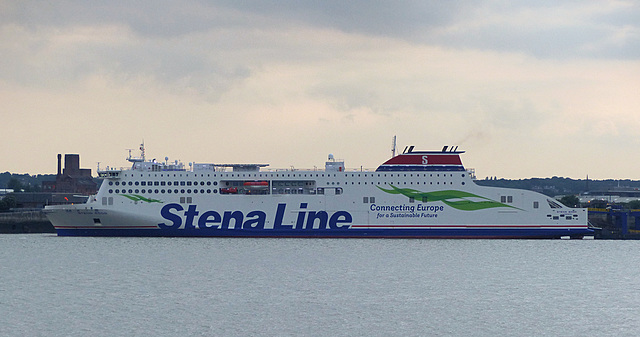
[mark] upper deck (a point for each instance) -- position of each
(409, 160)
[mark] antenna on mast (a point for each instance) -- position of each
(393, 147)
(142, 154)
(142, 150)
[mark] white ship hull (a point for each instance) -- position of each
(413, 195)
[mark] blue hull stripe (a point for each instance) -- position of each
(524, 233)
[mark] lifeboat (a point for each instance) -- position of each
(230, 190)
(256, 184)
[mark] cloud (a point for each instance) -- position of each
(547, 29)
(162, 18)
(213, 44)
(382, 18)
(320, 76)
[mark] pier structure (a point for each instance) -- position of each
(615, 223)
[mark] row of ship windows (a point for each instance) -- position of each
(164, 191)
(109, 201)
(318, 191)
(300, 175)
(215, 183)
(216, 191)
(163, 183)
(398, 183)
(566, 217)
(508, 199)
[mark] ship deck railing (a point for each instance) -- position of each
(112, 172)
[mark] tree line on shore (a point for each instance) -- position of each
(24, 182)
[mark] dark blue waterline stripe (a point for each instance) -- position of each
(544, 233)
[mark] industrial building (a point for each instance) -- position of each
(72, 179)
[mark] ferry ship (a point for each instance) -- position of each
(415, 194)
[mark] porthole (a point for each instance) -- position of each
(110, 191)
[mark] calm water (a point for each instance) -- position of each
(61, 286)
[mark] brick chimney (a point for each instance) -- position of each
(59, 164)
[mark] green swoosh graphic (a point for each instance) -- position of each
(446, 197)
(136, 197)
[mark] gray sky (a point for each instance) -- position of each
(527, 88)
